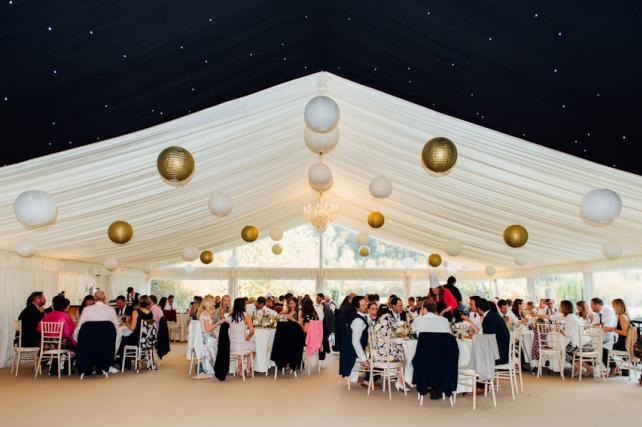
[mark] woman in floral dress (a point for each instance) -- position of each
(384, 331)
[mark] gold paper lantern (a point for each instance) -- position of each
(207, 257)
(175, 164)
(364, 251)
(277, 249)
(376, 219)
(434, 260)
(439, 154)
(250, 233)
(515, 236)
(120, 232)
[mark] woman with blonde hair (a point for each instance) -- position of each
(583, 311)
(209, 334)
(621, 329)
(224, 309)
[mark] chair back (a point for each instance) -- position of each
(194, 339)
(548, 336)
(314, 337)
(591, 338)
(148, 332)
(18, 326)
(51, 335)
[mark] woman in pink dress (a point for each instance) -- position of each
(61, 314)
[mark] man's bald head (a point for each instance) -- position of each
(99, 296)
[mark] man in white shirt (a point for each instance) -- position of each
(318, 306)
(259, 308)
(98, 312)
(548, 309)
(169, 305)
(605, 316)
(429, 320)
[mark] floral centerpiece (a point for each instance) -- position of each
(404, 330)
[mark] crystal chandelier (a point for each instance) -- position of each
(320, 213)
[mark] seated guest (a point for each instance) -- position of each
(492, 323)
(548, 309)
(194, 306)
(583, 312)
(307, 313)
(60, 314)
(398, 313)
(217, 301)
(259, 308)
(98, 312)
(607, 319)
(572, 324)
(241, 333)
(502, 307)
(121, 308)
(384, 330)
(429, 320)
(87, 301)
(139, 315)
(209, 330)
(515, 313)
(30, 317)
(269, 303)
(529, 310)
(292, 309)
(155, 309)
(622, 330)
(412, 306)
(474, 319)
(162, 303)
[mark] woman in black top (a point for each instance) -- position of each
(307, 313)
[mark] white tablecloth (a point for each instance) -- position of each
(410, 347)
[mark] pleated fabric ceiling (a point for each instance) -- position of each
(253, 150)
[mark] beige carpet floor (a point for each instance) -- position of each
(168, 397)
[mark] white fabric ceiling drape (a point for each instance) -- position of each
(252, 149)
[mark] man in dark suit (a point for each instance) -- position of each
(122, 309)
(30, 317)
(492, 323)
(396, 306)
(132, 297)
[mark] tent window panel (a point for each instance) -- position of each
(265, 287)
(626, 285)
(560, 287)
(512, 288)
(468, 288)
(185, 290)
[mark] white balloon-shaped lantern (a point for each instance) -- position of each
(321, 114)
(612, 250)
(520, 259)
(276, 234)
(111, 264)
(601, 205)
(189, 268)
(490, 271)
(320, 177)
(362, 238)
(35, 208)
(380, 187)
(453, 247)
(220, 205)
(147, 268)
(233, 261)
(321, 142)
(190, 254)
(26, 248)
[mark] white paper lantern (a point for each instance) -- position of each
(453, 247)
(276, 234)
(111, 264)
(362, 238)
(380, 187)
(321, 114)
(321, 142)
(408, 263)
(190, 254)
(220, 205)
(26, 248)
(35, 208)
(320, 177)
(490, 271)
(601, 205)
(612, 250)
(189, 268)
(520, 259)
(147, 268)
(233, 261)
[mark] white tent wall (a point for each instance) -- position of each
(21, 276)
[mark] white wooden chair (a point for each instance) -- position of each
(509, 371)
(550, 347)
(144, 348)
(195, 346)
(51, 347)
(590, 350)
(467, 383)
(623, 361)
(385, 368)
(246, 358)
(23, 355)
